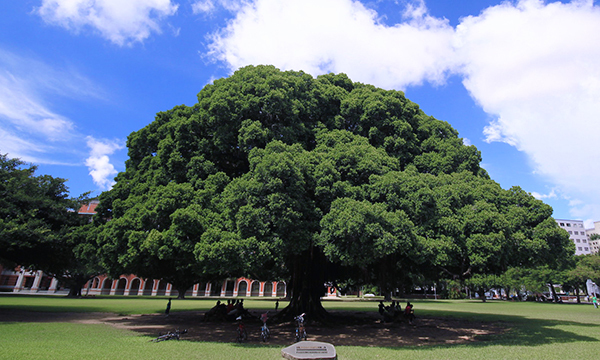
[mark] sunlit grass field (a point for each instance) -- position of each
(537, 331)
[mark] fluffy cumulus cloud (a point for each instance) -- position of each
(337, 36)
(534, 66)
(98, 163)
(122, 22)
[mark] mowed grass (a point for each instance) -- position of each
(535, 331)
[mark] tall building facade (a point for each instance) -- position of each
(594, 244)
(577, 234)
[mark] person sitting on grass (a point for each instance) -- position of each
(381, 308)
(219, 311)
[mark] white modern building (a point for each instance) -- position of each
(577, 234)
(594, 244)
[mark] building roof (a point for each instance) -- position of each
(88, 209)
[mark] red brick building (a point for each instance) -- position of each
(36, 282)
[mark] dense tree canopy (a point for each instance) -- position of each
(40, 228)
(279, 174)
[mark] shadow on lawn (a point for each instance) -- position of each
(432, 329)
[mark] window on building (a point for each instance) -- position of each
(578, 240)
(568, 224)
(586, 249)
(576, 232)
(584, 240)
(570, 233)
(579, 248)
(562, 224)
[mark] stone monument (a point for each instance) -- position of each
(313, 350)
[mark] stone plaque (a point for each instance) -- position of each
(314, 350)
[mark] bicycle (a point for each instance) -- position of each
(242, 334)
(171, 335)
(300, 330)
(265, 333)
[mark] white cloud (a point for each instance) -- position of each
(204, 6)
(121, 22)
(209, 6)
(531, 64)
(20, 107)
(29, 128)
(337, 36)
(534, 66)
(101, 170)
(551, 195)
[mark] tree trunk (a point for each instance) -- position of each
(306, 287)
(577, 294)
(181, 293)
(75, 284)
(74, 292)
(481, 292)
(181, 285)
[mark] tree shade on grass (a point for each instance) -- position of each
(536, 330)
(284, 176)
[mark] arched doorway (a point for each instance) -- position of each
(201, 289)
(148, 287)
(255, 288)
(215, 288)
(242, 288)
(281, 289)
(229, 287)
(135, 287)
(121, 285)
(106, 287)
(162, 288)
(268, 289)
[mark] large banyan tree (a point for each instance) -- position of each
(281, 175)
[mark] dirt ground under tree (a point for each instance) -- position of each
(348, 328)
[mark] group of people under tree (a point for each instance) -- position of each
(394, 313)
(230, 311)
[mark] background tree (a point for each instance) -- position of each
(282, 175)
(587, 267)
(40, 228)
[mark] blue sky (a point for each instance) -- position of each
(518, 79)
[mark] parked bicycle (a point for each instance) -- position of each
(242, 335)
(265, 333)
(171, 335)
(300, 330)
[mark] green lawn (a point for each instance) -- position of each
(538, 331)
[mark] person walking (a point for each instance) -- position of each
(168, 309)
(595, 301)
